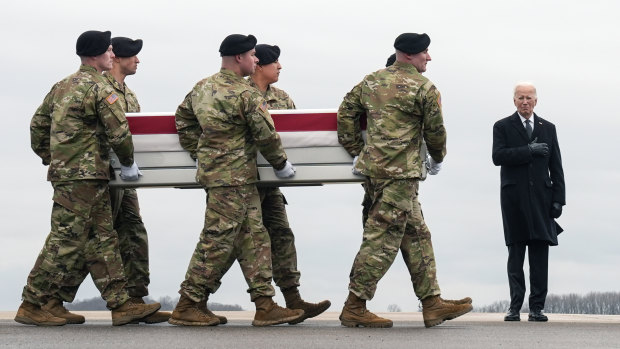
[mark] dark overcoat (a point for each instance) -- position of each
(529, 184)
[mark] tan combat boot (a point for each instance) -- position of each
(223, 319)
(130, 311)
(31, 314)
(355, 314)
(156, 317)
(269, 313)
(190, 313)
(435, 311)
(465, 300)
(294, 301)
(55, 307)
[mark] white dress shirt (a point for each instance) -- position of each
(531, 119)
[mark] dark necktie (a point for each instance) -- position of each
(528, 128)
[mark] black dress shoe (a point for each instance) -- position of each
(512, 315)
(537, 315)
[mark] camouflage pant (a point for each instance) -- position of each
(394, 222)
(81, 238)
(283, 252)
(366, 203)
(233, 230)
(134, 243)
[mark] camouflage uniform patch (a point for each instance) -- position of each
(112, 98)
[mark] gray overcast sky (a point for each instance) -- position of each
(569, 49)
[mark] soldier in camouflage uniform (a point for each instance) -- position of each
(403, 108)
(133, 239)
(222, 122)
(283, 252)
(134, 243)
(73, 131)
(125, 207)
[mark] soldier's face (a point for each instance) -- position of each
(105, 60)
(420, 59)
(525, 100)
(128, 65)
(271, 71)
(247, 62)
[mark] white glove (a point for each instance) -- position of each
(130, 173)
(353, 170)
(286, 172)
(432, 166)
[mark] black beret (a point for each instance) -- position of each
(92, 43)
(412, 42)
(125, 47)
(391, 60)
(235, 44)
(267, 54)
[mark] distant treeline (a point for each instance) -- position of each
(167, 303)
(602, 303)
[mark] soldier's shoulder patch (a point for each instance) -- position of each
(439, 99)
(111, 99)
(263, 106)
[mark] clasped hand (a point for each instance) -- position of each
(539, 149)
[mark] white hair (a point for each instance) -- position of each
(524, 84)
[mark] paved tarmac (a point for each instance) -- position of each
(474, 330)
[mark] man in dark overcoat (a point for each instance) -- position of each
(532, 195)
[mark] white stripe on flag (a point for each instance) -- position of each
(170, 142)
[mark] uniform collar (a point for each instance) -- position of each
(253, 84)
(113, 81)
(405, 66)
(231, 73)
(88, 68)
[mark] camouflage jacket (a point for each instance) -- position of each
(222, 122)
(402, 108)
(76, 126)
(276, 99)
(127, 98)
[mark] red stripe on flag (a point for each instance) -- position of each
(145, 125)
(164, 124)
(305, 122)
